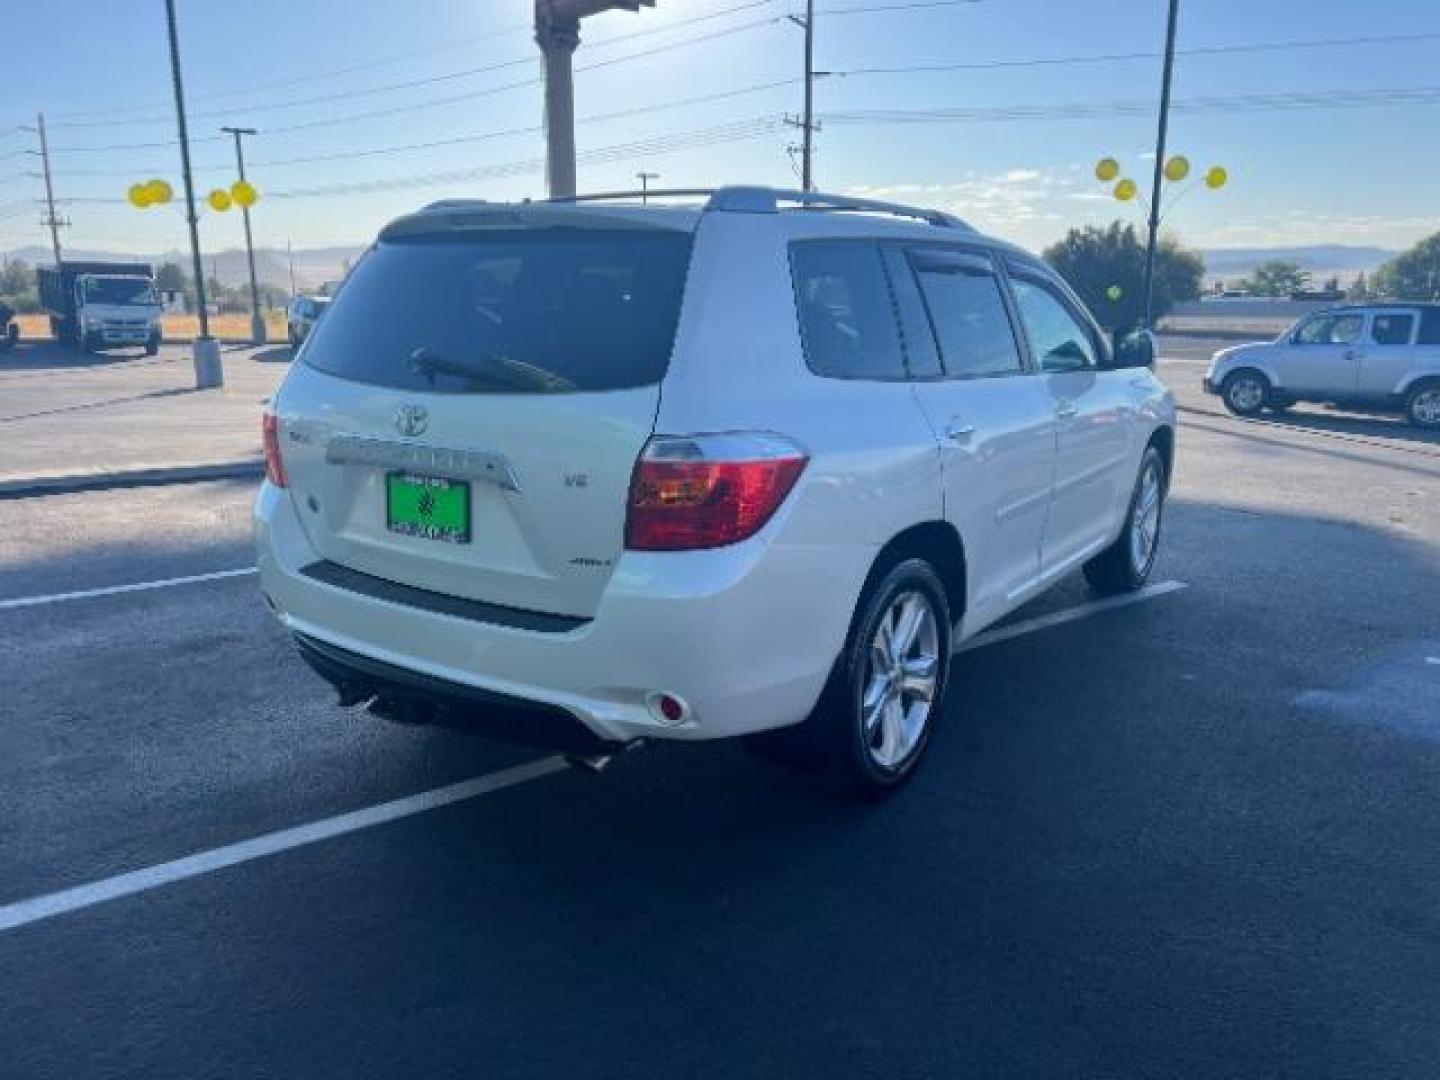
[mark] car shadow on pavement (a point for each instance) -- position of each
(1338, 422)
(275, 354)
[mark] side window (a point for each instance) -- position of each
(847, 319)
(1329, 329)
(1057, 336)
(967, 309)
(921, 355)
(1429, 327)
(1392, 328)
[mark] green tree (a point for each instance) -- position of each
(17, 286)
(1097, 260)
(1277, 277)
(170, 278)
(1413, 275)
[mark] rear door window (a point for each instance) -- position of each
(967, 309)
(847, 317)
(1392, 327)
(1429, 327)
(539, 311)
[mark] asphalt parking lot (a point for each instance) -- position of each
(1192, 835)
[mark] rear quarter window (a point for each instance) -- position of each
(546, 310)
(847, 316)
(1430, 327)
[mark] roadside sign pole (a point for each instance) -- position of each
(208, 372)
(257, 320)
(1160, 161)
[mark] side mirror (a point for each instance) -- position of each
(1135, 349)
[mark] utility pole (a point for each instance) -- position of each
(645, 178)
(1165, 79)
(50, 218)
(208, 372)
(557, 32)
(290, 253)
(806, 123)
(257, 321)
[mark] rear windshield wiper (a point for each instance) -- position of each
(493, 367)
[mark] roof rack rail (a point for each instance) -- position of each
(765, 200)
(648, 193)
(747, 199)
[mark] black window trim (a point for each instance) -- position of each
(905, 375)
(909, 250)
(1017, 267)
(1413, 314)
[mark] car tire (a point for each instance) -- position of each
(1126, 564)
(1245, 392)
(872, 724)
(1422, 405)
(88, 343)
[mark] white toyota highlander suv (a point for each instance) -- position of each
(583, 472)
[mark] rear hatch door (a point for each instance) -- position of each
(467, 416)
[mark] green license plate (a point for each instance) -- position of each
(428, 506)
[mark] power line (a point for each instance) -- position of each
(318, 76)
(870, 8)
(395, 110)
(1333, 99)
(1106, 58)
(410, 84)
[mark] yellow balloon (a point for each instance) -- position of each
(1216, 178)
(219, 199)
(244, 193)
(1106, 169)
(139, 196)
(1126, 190)
(1177, 168)
(160, 191)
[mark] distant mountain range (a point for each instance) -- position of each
(1322, 260)
(315, 266)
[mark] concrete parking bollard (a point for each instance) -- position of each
(208, 372)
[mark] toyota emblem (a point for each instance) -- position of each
(412, 419)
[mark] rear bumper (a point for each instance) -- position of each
(745, 636)
(1208, 385)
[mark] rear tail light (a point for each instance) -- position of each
(270, 435)
(705, 491)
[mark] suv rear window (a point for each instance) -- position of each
(541, 311)
(1430, 326)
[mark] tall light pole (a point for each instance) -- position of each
(645, 178)
(557, 32)
(1165, 78)
(208, 372)
(257, 321)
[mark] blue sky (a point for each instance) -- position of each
(1359, 175)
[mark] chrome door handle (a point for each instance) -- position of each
(1066, 409)
(958, 430)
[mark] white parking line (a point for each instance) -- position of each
(116, 590)
(204, 862)
(1080, 611)
(23, 912)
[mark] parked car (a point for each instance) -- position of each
(301, 316)
(9, 329)
(1384, 357)
(588, 472)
